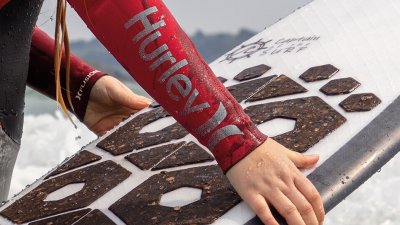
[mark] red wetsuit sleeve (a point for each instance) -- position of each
(41, 73)
(3, 3)
(145, 38)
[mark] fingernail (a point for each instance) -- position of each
(145, 100)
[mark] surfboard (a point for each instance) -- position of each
(325, 80)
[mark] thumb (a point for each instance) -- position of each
(134, 101)
(302, 161)
(127, 98)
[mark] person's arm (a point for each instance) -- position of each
(145, 38)
(152, 47)
(3, 3)
(99, 101)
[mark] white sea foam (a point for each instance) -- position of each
(47, 141)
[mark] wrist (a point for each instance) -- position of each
(233, 150)
(81, 88)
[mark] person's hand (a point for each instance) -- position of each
(268, 177)
(110, 102)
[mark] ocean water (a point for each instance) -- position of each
(49, 138)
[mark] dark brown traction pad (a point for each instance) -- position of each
(245, 90)
(222, 79)
(191, 153)
(360, 102)
(95, 217)
(64, 219)
(252, 72)
(97, 182)
(264, 88)
(319, 73)
(172, 155)
(280, 86)
(141, 205)
(145, 160)
(340, 86)
(82, 158)
(315, 119)
(127, 138)
(155, 104)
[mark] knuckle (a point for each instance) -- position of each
(288, 177)
(285, 181)
(285, 189)
(314, 196)
(321, 214)
(289, 210)
(260, 209)
(306, 209)
(322, 211)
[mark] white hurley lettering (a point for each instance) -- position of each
(213, 122)
(172, 70)
(183, 90)
(191, 109)
(148, 27)
(221, 134)
(150, 39)
(150, 35)
(164, 58)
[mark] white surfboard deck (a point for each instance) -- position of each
(359, 37)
